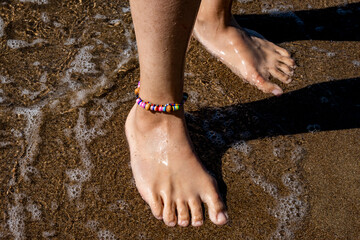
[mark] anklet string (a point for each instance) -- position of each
(170, 107)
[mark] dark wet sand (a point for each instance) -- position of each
(298, 153)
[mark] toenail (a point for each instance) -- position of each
(277, 92)
(184, 223)
(222, 217)
(197, 223)
(171, 224)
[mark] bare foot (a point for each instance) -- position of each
(251, 57)
(167, 172)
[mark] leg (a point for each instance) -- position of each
(168, 174)
(252, 58)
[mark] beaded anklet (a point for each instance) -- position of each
(170, 107)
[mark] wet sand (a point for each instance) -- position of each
(288, 167)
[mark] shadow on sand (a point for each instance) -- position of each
(335, 23)
(324, 106)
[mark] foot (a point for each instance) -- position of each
(251, 57)
(168, 174)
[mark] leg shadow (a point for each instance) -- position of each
(334, 23)
(324, 106)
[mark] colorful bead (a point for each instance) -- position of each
(137, 90)
(168, 108)
(160, 108)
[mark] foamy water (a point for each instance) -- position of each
(34, 120)
(77, 93)
(40, 2)
(290, 209)
(84, 136)
(2, 25)
(15, 44)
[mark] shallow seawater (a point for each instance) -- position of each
(287, 167)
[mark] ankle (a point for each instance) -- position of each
(146, 119)
(214, 11)
(212, 26)
(162, 91)
(205, 19)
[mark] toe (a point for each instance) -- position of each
(286, 69)
(156, 206)
(288, 61)
(169, 213)
(282, 51)
(216, 208)
(182, 213)
(267, 86)
(280, 75)
(196, 212)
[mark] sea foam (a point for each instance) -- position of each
(16, 219)
(40, 2)
(290, 209)
(2, 26)
(85, 135)
(15, 44)
(81, 64)
(32, 136)
(106, 235)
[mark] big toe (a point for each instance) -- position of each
(216, 209)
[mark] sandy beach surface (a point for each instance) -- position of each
(288, 167)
